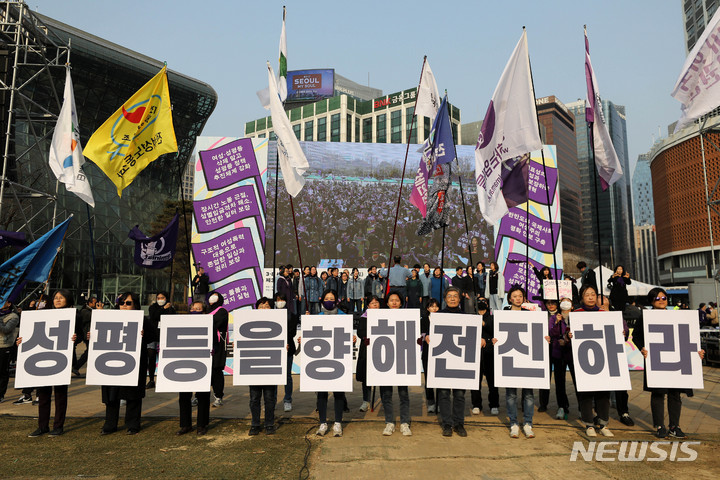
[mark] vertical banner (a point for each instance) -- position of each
(228, 234)
(454, 358)
(44, 355)
(598, 349)
(512, 236)
(259, 348)
(393, 356)
(327, 364)
(114, 349)
(185, 346)
(672, 340)
(522, 356)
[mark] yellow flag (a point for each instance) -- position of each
(137, 134)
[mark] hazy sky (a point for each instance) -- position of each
(637, 48)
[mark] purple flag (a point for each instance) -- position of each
(12, 239)
(159, 250)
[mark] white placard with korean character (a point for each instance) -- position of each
(44, 357)
(327, 361)
(393, 356)
(522, 354)
(672, 340)
(114, 348)
(259, 347)
(185, 360)
(550, 289)
(598, 348)
(454, 351)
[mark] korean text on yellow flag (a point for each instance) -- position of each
(135, 135)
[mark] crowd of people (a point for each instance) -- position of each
(474, 290)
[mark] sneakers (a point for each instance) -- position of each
(219, 402)
(123, 403)
(528, 431)
(22, 400)
(76, 372)
(661, 432)
(254, 431)
(432, 408)
(590, 431)
(494, 411)
(365, 407)
(447, 431)
(287, 407)
(322, 430)
(270, 430)
(561, 414)
(38, 432)
(626, 420)
(337, 429)
(476, 411)
(2, 399)
(405, 429)
(56, 432)
(514, 431)
(150, 384)
(194, 402)
(460, 430)
(606, 432)
(389, 429)
(675, 432)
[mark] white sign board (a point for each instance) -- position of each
(185, 346)
(115, 347)
(522, 354)
(45, 355)
(550, 289)
(327, 362)
(598, 348)
(672, 340)
(454, 351)
(393, 356)
(259, 347)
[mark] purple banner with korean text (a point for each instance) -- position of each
(517, 250)
(228, 237)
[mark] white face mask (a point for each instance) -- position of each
(280, 304)
(213, 299)
(162, 302)
(565, 305)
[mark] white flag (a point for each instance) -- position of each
(66, 158)
(698, 86)
(428, 98)
(291, 157)
(282, 63)
(509, 130)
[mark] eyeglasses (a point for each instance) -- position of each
(128, 303)
(657, 299)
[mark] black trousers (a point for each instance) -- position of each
(621, 402)
(674, 405)
(5, 356)
(203, 413)
(44, 395)
(602, 406)
(429, 392)
(133, 412)
(487, 368)
(269, 394)
(152, 358)
(339, 405)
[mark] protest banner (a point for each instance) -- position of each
(114, 348)
(259, 347)
(522, 356)
(327, 363)
(454, 351)
(185, 346)
(393, 356)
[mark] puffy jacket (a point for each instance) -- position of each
(9, 329)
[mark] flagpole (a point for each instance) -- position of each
(187, 236)
(92, 249)
(707, 202)
(402, 178)
(47, 282)
(547, 196)
(277, 175)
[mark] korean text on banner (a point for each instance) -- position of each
(393, 357)
(598, 349)
(115, 348)
(672, 340)
(185, 346)
(522, 357)
(259, 348)
(454, 351)
(44, 354)
(327, 363)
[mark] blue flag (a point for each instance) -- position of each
(441, 136)
(33, 263)
(157, 251)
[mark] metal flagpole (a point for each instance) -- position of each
(707, 204)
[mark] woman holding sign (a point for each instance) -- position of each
(658, 298)
(373, 302)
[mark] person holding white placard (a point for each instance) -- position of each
(658, 298)
(561, 355)
(133, 396)
(432, 306)
(219, 353)
(395, 301)
(268, 393)
(552, 307)
(487, 364)
(373, 302)
(151, 330)
(601, 400)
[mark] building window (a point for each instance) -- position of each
(426, 133)
(348, 126)
(410, 135)
(296, 130)
(273, 136)
(357, 130)
(396, 126)
(322, 129)
(367, 130)
(380, 129)
(335, 127)
(309, 131)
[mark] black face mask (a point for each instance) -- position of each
(482, 305)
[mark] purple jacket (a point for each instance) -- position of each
(557, 332)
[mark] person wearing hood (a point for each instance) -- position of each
(220, 334)
(151, 327)
(9, 323)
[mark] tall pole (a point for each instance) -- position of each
(593, 167)
(467, 233)
(277, 175)
(707, 204)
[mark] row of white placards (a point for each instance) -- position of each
(521, 353)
